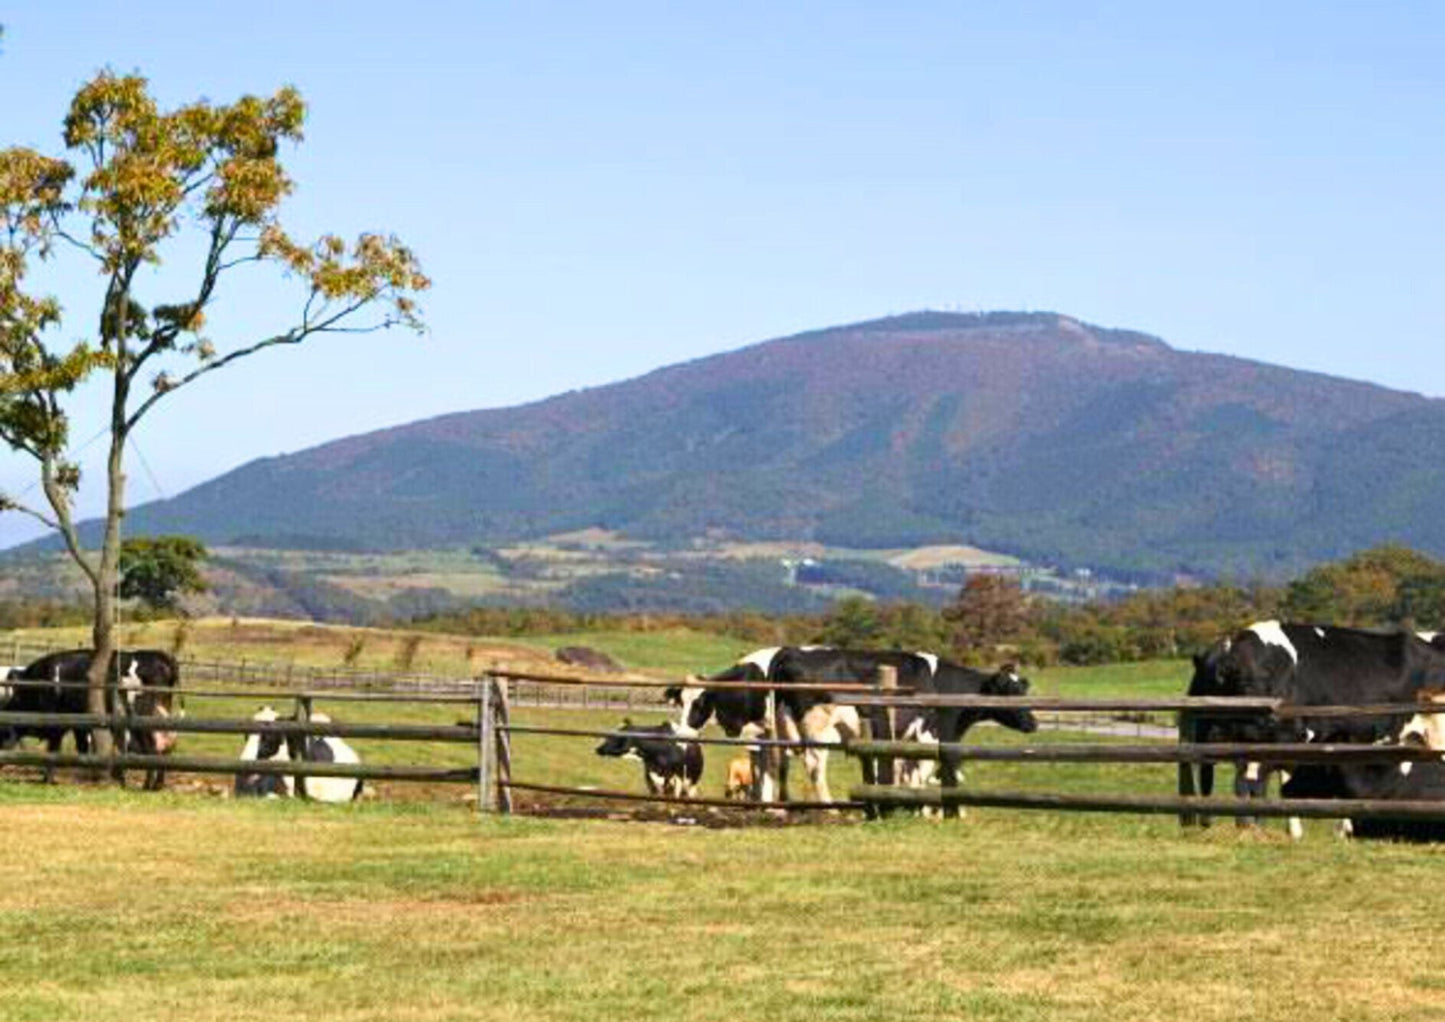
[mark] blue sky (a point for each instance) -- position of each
(601, 189)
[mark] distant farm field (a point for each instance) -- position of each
(122, 906)
(666, 652)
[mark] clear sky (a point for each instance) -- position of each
(598, 189)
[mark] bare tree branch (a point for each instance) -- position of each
(293, 336)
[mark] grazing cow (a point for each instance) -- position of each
(740, 778)
(314, 749)
(146, 680)
(1303, 665)
(813, 716)
(670, 768)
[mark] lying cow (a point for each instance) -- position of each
(1407, 781)
(271, 747)
(146, 682)
(670, 768)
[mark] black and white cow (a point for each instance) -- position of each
(670, 767)
(261, 748)
(1304, 665)
(1408, 781)
(7, 734)
(744, 713)
(273, 747)
(147, 681)
(812, 715)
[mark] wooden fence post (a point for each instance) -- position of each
(485, 747)
(296, 744)
(501, 715)
(887, 684)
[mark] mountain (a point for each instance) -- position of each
(1030, 433)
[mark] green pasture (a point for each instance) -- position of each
(188, 905)
(121, 905)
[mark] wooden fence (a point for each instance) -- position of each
(885, 751)
(491, 729)
(485, 733)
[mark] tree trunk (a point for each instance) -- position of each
(103, 631)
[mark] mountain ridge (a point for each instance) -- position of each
(1032, 433)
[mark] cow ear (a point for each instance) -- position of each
(626, 723)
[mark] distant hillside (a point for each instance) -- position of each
(1029, 433)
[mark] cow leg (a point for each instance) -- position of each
(1187, 734)
(122, 748)
(53, 740)
(869, 770)
(816, 763)
(1294, 824)
(1249, 783)
(950, 771)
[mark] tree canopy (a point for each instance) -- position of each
(135, 186)
(159, 570)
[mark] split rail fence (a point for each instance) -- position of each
(886, 752)
(491, 728)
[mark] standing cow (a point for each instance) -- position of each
(1303, 665)
(145, 683)
(812, 715)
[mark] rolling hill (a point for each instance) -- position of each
(1029, 433)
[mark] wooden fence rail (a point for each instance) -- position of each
(1149, 804)
(215, 726)
(216, 765)
(493, 747)
(1323, 752)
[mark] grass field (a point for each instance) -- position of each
(124, 906)
(410, 906)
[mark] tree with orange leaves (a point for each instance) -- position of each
(136, 184)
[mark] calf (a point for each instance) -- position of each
(670, 768)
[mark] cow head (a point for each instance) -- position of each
(1426, 730)
(1007, 682)
(619, 745)
(733, 709)
(268, 745)
(1259, 661)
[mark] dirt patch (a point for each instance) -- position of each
(709, 817)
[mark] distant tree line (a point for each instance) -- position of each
(990, 620)
(993, 619)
